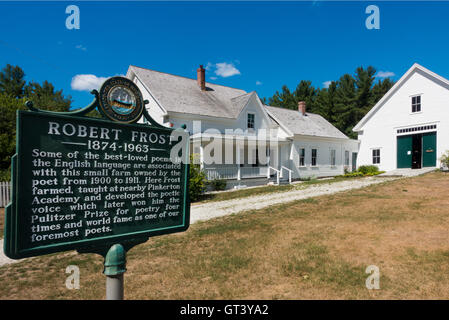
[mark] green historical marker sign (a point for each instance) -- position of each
(84, 183)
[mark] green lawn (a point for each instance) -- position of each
(317, 248)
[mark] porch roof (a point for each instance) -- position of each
(309, 124)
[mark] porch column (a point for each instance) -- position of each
(237, 159)
(201, 157)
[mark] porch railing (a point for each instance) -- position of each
(235, 172)
(276, 171)
(221, 173)
(253, 172)
(289, 173)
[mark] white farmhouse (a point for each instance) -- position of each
(409, 126)
(240, 139)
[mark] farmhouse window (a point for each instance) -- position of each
(333, 157)
(302, 155)
(251, 117)
(314, 156)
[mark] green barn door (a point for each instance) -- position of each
(429, 149)
(404, 152)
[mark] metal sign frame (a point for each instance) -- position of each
(15, 222)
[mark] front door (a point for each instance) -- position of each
(429, 149)
(404, 152)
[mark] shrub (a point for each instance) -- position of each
(445, 159)
(368, 169)
(197, 184)
(5, 175)
(218, 184)
(353, 174)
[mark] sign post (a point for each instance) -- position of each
(114, 268)
(96, 185)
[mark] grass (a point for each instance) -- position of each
(310, 249)
(243, 193)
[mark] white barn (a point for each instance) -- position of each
(409, 126)
(298, 144)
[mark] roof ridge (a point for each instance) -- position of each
(245, 94)
(288, 109)
(193, 79)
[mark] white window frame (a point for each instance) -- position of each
(299, 157)
(416, 104)
(348, 160)
(333, 157)
(253, 120)
(373, 156)
(311, 157)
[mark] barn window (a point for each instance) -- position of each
(416, 104)
(376, 156)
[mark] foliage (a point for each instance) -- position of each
(368, 169)
(343, 103)
(353, 174)
(197, 184)
(5, 175)
(445, 159)
(12, 81)
(45, 97)
(218, 184)
(363, 171)
(8, 107)
(14, 92)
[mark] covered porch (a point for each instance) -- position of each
(241, 157)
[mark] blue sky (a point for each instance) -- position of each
(249, 45)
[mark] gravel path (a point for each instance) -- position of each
(218, 209)
(4, 259)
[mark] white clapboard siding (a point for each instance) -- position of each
(5, 193)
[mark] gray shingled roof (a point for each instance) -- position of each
(180, 94)
(310, 124)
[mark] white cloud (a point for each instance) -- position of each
(258, 83)
(222, 69)
(226, 70)
(326, 84)
(385, 74)
(87, 82)
(81, 47)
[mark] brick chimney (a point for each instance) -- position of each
(302, 107)
(201, 78)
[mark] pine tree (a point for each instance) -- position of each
(12, 81)
(285, 99)
(13, 94)
(325, 102)
(345, 104)
(45, 97)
